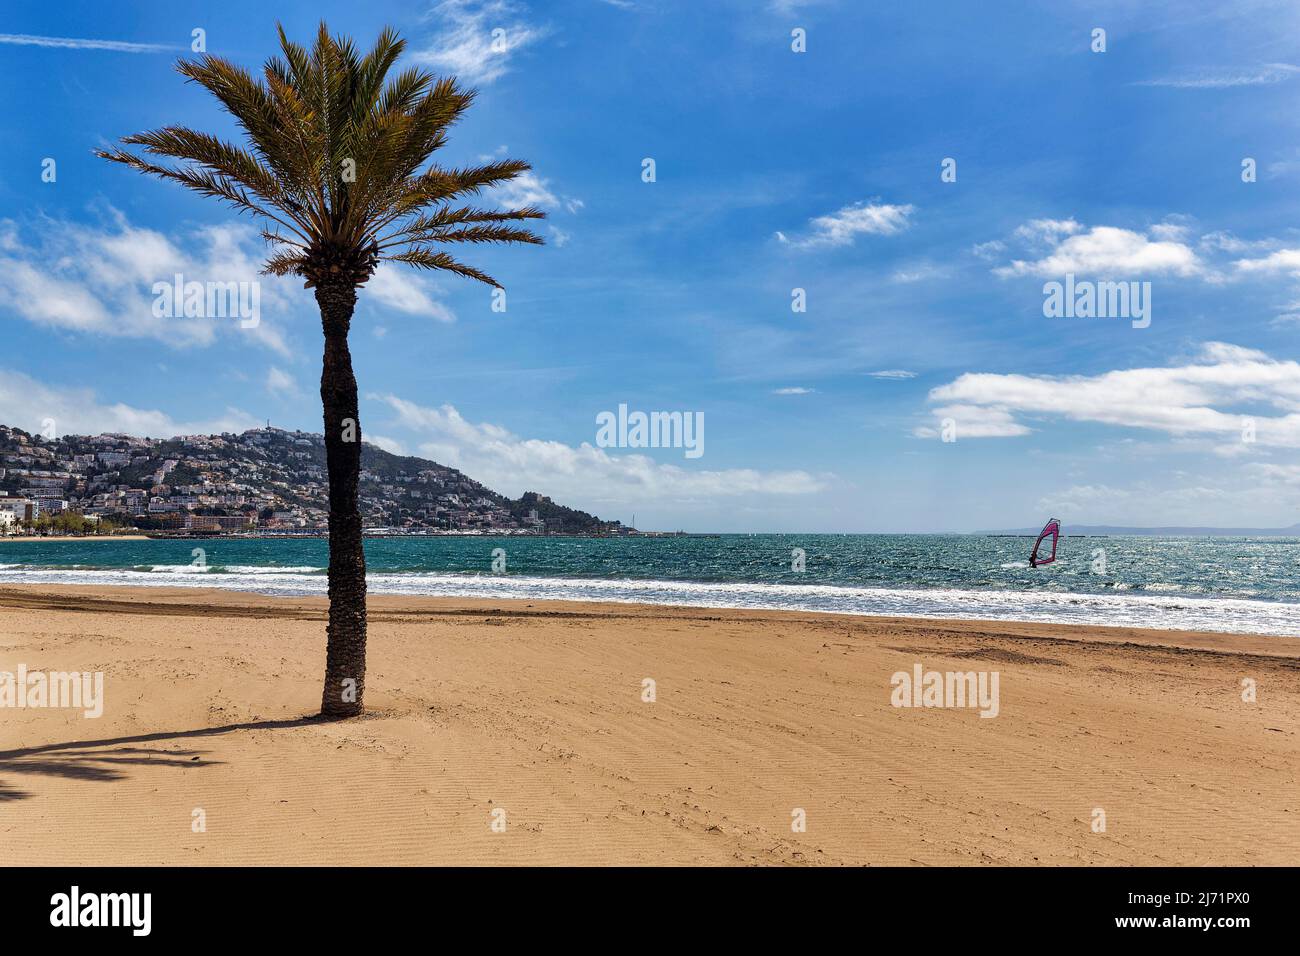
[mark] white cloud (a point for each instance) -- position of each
(27, 404)
(526, 189)
(467, 47)
(1284, 260)
(77, 43)
(793, 390)
(391, 445)
(401, 289)
(1172, 230)
(917, 273)
(1047, 229)
(892, 373)
(1057, 247)
(1079, 498)
(842, 227)
(100, 280)
(1223, 241)
(974, 421)
(1275, 474)
(512, 465)
(529, 189)
(1158, 503)
(1263, 75)
(1282, 167)
(788, 7)
(279, 382)
(1207, 398)
(1109, 251)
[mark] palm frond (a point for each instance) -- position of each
(230, 161)
(474, 234)
(448, 216)
(337, 154)
(283, 264)
(205, 182)
(425, 259)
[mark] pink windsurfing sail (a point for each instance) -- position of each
(1050, 530)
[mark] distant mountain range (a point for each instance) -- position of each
(269, 478)
(1099, 529)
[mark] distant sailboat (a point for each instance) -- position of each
(1050, 530)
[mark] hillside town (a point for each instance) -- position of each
(265, 481)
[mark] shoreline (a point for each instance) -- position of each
(1160, 612)
(181, 599)
(538, 711)
(57, 539)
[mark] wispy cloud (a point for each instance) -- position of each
(99, 279)
(1047, 229)
(793, 390)
(28, 403)
(583, 473)
(399, 288)
(390, 445)
(917, 272)
(479, 39)
(842, 228)
(529, 189)
(78, 43)
(975, 421)
(892, 373)
(989, 251)
(1227, 77)
(787, 7)
(281, 383)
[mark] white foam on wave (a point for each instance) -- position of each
(263, 569)
(188, 569)
(1186, 612)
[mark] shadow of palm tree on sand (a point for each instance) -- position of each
(110, 758)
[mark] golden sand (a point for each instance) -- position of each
(533, 715)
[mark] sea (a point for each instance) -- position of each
(1234, 584)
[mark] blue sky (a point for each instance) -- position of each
(775, 171)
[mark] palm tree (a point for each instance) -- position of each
(334, 168)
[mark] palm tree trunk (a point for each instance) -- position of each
(345, 658)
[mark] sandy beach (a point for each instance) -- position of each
(532, 715)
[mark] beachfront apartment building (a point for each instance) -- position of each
(23, 509)
(219, 522)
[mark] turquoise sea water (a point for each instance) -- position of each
(1232, 584)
